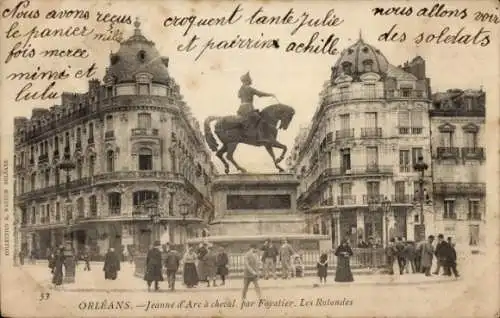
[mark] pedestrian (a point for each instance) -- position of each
(362, 243)
(409, 254)
(189, 272)
(427, 255)
(400, 246)
(418, 256)
(202, 262)
(269, 258)
(33, 256)
(286, 253)
(222, 262)
(211, 266)
(452, 260)
(21, 257)
(390, 256)
(297, 266)
(343, 253)
(86, 259)
(251, 271)
(57, 273)
(51, 260)
(153, 271)
(441, 252)
(322, 267)
(172, 262)
(111, 264)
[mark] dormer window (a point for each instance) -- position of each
(368, 66)
(347, 68)
(141, 56)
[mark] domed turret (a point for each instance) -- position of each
(360, 58)
(137, 55)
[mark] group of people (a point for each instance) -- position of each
(202, 264)
(418, 257)
(291, 262)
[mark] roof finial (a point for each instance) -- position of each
(360, 35)
(137, 25)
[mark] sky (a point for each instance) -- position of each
(210, 84)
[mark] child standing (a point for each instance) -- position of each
(322, 268)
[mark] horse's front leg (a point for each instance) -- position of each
(271, 153)
(277, 144)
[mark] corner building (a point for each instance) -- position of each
(371, 126)
(135, 159)
(459, 174)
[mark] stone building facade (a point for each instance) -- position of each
(459, 175)
(117, 166)
(355, 161)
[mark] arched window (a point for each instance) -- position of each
(347, 68)
(368, 65)
(47, 177)
(21, 185)
(145, 159)
(114, 203)
(80, 205)
(143, 198)
(79, 169)
(58, 212)
(57, 175)
(144, 120)
(33, 181)
(110, 161)
(93, 205)
(91, 165)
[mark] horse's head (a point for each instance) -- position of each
(281, 112)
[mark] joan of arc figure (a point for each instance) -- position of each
(246, 110)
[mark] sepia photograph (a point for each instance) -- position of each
(249, 159)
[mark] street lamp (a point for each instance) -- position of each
(386, 207)
(69, 262)
(421, 166)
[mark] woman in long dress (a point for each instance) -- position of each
(190, 274)
(57, 270)
(111, 265)
(343, 272)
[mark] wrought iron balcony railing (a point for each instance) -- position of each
(402, 198)
(459, 188)
(109, 134)
(371, 132)
(144, 132)
(447, 152)
(475, 153)
(344, 133)
(43, 158)
(346, 200)
(373, 198)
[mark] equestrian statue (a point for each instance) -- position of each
(250, 126)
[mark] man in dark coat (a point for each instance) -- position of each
(222, 261)
(400, 246)
(409, 254)
(211, 265)
(441, 252)
(154, 266)
(111, 264)
(390, 254)
(172, 261)
(269, 258)
(452, 259)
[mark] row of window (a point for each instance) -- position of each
(474, 210)
(406, 119)
(470, 139)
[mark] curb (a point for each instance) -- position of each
(308, 286)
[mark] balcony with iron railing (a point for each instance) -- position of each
(402, 198)
(344, 133)
(474, 216)
(358, 170)
(114, 210)
(459, 188)
(346, 200)
(328, 202)
(43, 158)
(110, 134)
(371, 132)
(144, 132)
(340, 96)
(457, 112)
(474, 153)
(448, 153)
(373, 198)
(90, 140)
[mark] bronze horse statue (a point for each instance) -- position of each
(230, 130)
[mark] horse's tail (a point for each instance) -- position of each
(209, 137)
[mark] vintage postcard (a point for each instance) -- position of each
(249, 158)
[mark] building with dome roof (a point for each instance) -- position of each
(117, 166)
(355, 163)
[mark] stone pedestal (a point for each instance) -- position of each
(251, 208)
